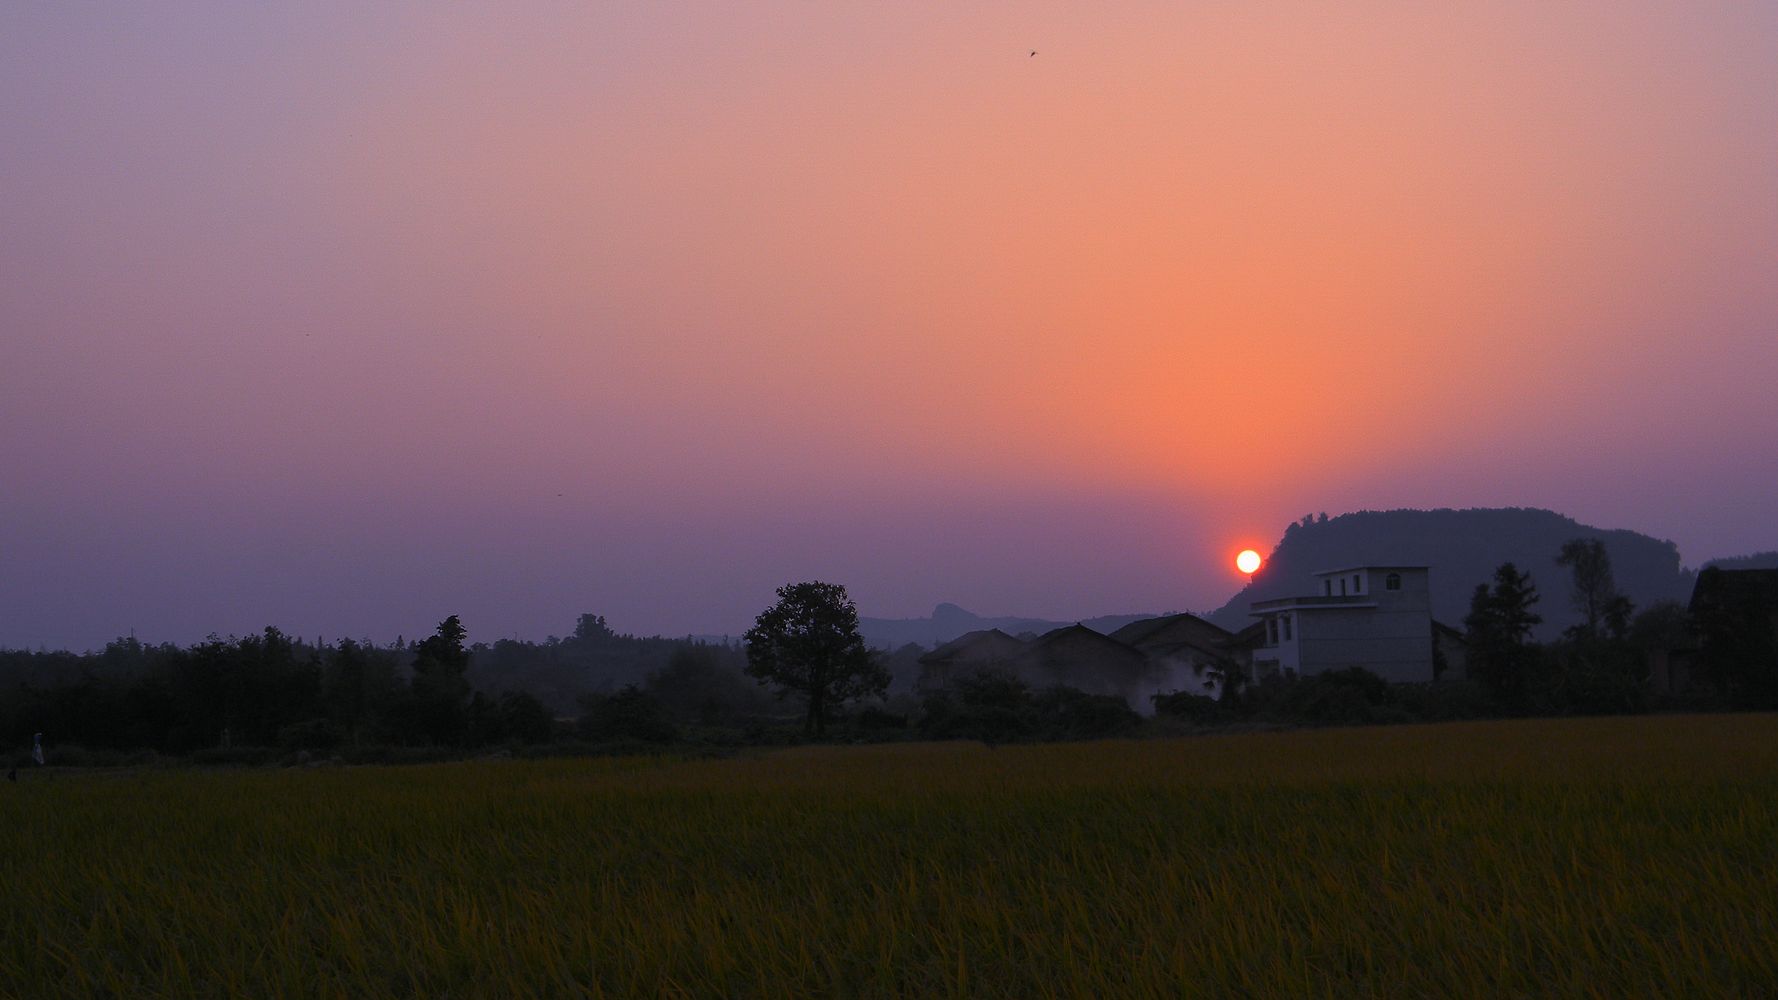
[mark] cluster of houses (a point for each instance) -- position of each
(1375, 617)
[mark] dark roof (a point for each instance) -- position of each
(1750, 586)
(1251, 637)
(1442, 628)
(1079, 635)
(1199, 652)
(1079, 657)
(1075, 631)
(981, 645)
(1172, 630)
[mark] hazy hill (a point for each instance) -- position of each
(948, 621)
(1758, 560)
(1463, 547)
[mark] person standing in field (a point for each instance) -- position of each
(37, 748)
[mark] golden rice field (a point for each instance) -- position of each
(1605, 857)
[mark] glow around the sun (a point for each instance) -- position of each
(1247, 561)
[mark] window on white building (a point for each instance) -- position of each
(1285, 620)
(1271, 631)
(1392, 582)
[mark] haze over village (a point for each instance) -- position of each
(526, 313)
(974, 499)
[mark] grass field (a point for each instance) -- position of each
(1602, 857)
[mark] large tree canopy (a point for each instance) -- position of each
(809, 643)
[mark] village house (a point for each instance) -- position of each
(1184, 650)
(981, 651)
(1078, 657)
(1738, 602)
(1072, 656)
(1375, 617)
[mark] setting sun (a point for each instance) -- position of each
(1247, 561)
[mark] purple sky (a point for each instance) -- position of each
(346, 320)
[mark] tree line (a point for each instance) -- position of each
(804, 669)
(224, 697)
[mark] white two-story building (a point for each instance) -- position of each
(1375, 617)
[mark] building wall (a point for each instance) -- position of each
(1093, 665)
(1176, 671)
(1282, 650)
(1415, 592)
(1393, 639)
(1456, 656)
(1395, 645)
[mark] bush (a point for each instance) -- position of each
(1353, 696)
(1598, 677)
(989, 706)
(1445, 701)
(239, 756)
(312, 734)
(1064, 713)
(1185, 706)
(871, 718)
(999, 708)
(525, 719)
(629, 714)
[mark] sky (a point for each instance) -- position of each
(348, 317)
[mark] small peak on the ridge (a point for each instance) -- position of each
(946, 611)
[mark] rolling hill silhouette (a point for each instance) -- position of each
(1463, 547)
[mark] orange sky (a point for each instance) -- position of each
(868, 293)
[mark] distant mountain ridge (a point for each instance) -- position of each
(948, 621)
(1462, 547)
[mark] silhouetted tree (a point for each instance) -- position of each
(808, 643)
(1595, 595)
(1223, 675)
(1499, 626)
(441, 692)
(1598, 669)
(359, 687)
(592, 628)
